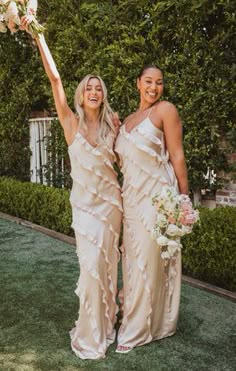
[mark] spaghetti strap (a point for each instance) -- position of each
(155, 105)
(149, 112)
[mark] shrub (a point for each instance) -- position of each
(46, 206)
(209, 252)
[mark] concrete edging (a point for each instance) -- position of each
(39, 228)
(230, 295)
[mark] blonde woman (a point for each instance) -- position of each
(96, 205)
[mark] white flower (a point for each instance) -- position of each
(185, 199)
(12, 13)
(32, 5)
(181, 232)
(162, 241)
(161, 220)
(3, 27)
(186, 230)
(165, 255)
(173, 246)
(172, 230)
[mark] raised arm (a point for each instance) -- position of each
(172, 128)
(62, 107)
(66, 117)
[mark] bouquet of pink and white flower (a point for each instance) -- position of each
(175, 218)
(11, 13)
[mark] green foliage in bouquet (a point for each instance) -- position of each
(46, 206)
(209, 252)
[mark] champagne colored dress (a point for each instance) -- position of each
(151, 290)
(96, 207)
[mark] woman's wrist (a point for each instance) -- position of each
(39, 37)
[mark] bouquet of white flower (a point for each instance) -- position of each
(12, 11)
(175, 218)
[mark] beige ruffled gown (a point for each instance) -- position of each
(151, 292)
(97, 210)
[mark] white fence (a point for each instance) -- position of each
(40, 131)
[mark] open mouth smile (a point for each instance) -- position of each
(152, 95)
(93, 99)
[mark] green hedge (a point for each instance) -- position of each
(209, 252)
(46, 206)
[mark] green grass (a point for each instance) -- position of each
(38, 307)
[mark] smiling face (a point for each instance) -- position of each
(93, 94)
(150, 85)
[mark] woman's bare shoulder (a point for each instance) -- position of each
(165, 110)
(165, 105)
(127, 118)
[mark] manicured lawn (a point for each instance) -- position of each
(38, 307)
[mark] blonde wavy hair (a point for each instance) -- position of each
(105, 117)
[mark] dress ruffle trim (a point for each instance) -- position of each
(138, 190)
(95, 151)
(129, 281)
(149, 136)
(82, 296)
(109, 150)
(92, 320)
(102, 218)
(101, 175)
(139, 213)
(100, 245)
(147, 285)
(144, 148)
(151, 174)
(93, 191)
(84, 233)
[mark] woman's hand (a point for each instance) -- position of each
(116, 122)
(26, 20)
